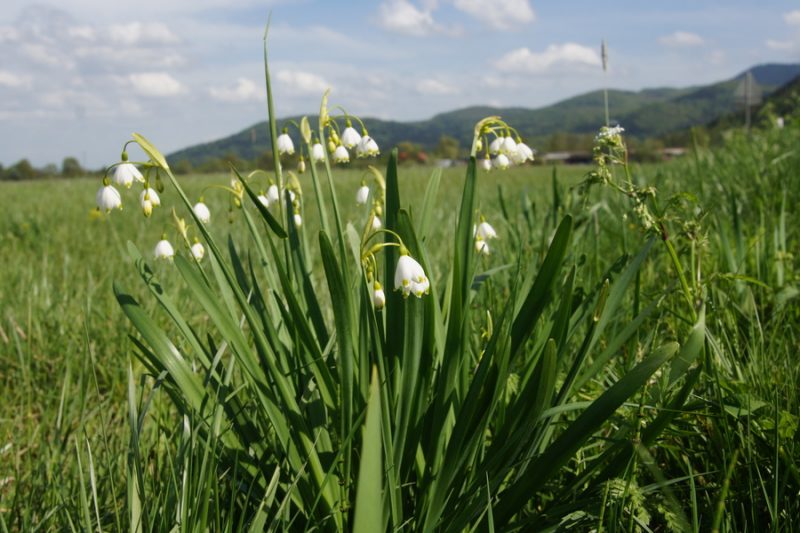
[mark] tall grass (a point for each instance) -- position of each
(588, 374)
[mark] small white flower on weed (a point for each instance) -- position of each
(609, 133)
(149, 199)
(367, 147)
(378, 296)
(501, 161)
(376, 223)
(486, 164)
(301, 166)
(298, 220)
(317, 153)
(203, 213)
(108, 198)
(126, 173)
(198, 251)
(264, 200)
(340, 155)
(164, 250)
(285, 144)
(410, 277)
(362, 195)
(350, 137)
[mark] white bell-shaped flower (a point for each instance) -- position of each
(350, 137)
(496, 145)
(367, 147)
(198, 251)
(108, 198)
(273, 195)
(522, 154)
(149, 199)
(486, 164)
(164, 250)
(509, 146)
(317, 153)
(285, 144)
(501, 161)
(378, 296)
(341, 155)
(481, 246)
(484, 231)
(362, 195)
(376, 223)
(203, 213)
(298, 220)
(126, 173)
(410, 277)
(264, 200)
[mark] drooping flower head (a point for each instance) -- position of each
(367, 147)
(362, 194)
(481, 246)
(501, 161)
(203, 213)
(149, 199)
(496, 145)
(198, 251)
(340, 155)
(378, 296)
(509, 146)
(298, 220)
(164, 250)
(285, 144)
(484, 231)
(486, 163)
(522, 154)
(317, 153)
(108, 198)
(273, 195)
(350, 137)
(409, 276)
(126, 173)
(376, 222)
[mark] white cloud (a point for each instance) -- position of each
(134, 33)
(243, 90)
(434, 87)
(499, 14)
(156, 84)
(792, 44)
(82, 32)
(402, 16)
(681, 39)
(568, 54)
(302, 82)
(792, 18)
(9, 79)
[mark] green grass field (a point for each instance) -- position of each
(702, 333)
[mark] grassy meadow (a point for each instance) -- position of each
(601, 372)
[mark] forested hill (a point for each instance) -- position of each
(644, 114)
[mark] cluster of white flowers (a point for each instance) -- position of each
(606, 133)
(506, 152)
(339, 146)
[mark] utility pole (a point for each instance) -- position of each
(604, 56)
(748, 94)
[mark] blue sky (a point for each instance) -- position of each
(78, 76)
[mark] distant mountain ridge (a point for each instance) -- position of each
(646, 113)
